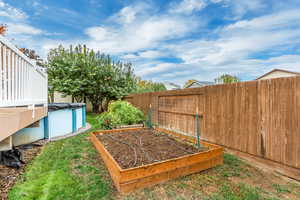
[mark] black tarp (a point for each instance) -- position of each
(14, 158)
(60, 106)
(11, 158)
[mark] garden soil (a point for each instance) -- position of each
(146, 146)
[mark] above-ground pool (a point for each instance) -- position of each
(62, 119)
(65, 118)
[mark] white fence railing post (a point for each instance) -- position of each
(22, 83)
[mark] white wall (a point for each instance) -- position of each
(277, 74)
(58, 98)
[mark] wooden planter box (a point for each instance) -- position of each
(127, 180)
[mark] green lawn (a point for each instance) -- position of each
(71, 169)
(65, 169)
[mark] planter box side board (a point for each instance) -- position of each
(127, 180)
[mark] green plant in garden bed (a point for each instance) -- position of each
(120, 113)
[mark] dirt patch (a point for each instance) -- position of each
(137, 148)
(8, 176)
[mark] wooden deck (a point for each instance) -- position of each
(15, 119)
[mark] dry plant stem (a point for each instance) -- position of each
(142, 149)
(130, 145)
(181, 147)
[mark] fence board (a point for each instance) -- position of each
(261, 118)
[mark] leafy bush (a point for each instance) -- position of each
(120, 113)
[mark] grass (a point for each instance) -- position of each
(281, 188)
(70, 169)
(92, 119)
(65, 169)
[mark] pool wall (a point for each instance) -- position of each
(60, 121)
(65, 121)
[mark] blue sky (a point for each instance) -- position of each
(166, 40)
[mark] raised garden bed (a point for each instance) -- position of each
(140, 157)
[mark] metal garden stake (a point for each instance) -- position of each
(198, 130)
(150, 117)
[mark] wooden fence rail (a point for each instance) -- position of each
(261, 118)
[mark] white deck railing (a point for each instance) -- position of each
(21, 81)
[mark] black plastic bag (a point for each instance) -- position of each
(11, 158)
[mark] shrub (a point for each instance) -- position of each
(120, 113)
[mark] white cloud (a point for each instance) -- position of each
(10, 12)
(158, 68)
(129, 13)
(145, 40)
(239, 40)
(164, 27)
(23, 29)
(279, 20)
(17, 21)
(143, 34)
(241, 7)
(232, 50)
(188, 6)
(126, 15)
(216, 1)
(148, 54)
(130, 57)
(152, 54)
(98, 33)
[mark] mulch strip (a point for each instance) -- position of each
(9, 176)
(137, 148)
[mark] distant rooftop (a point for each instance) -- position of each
(277, 73)
(196, 83)
(171, 86)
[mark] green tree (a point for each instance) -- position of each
(226, 78)
(84, 74)
(149, 86)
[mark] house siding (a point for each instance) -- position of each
(277, 74)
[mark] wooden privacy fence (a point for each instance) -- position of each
(261, 118)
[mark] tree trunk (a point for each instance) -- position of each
(105, 103)
(52, 97)
(96, 108)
